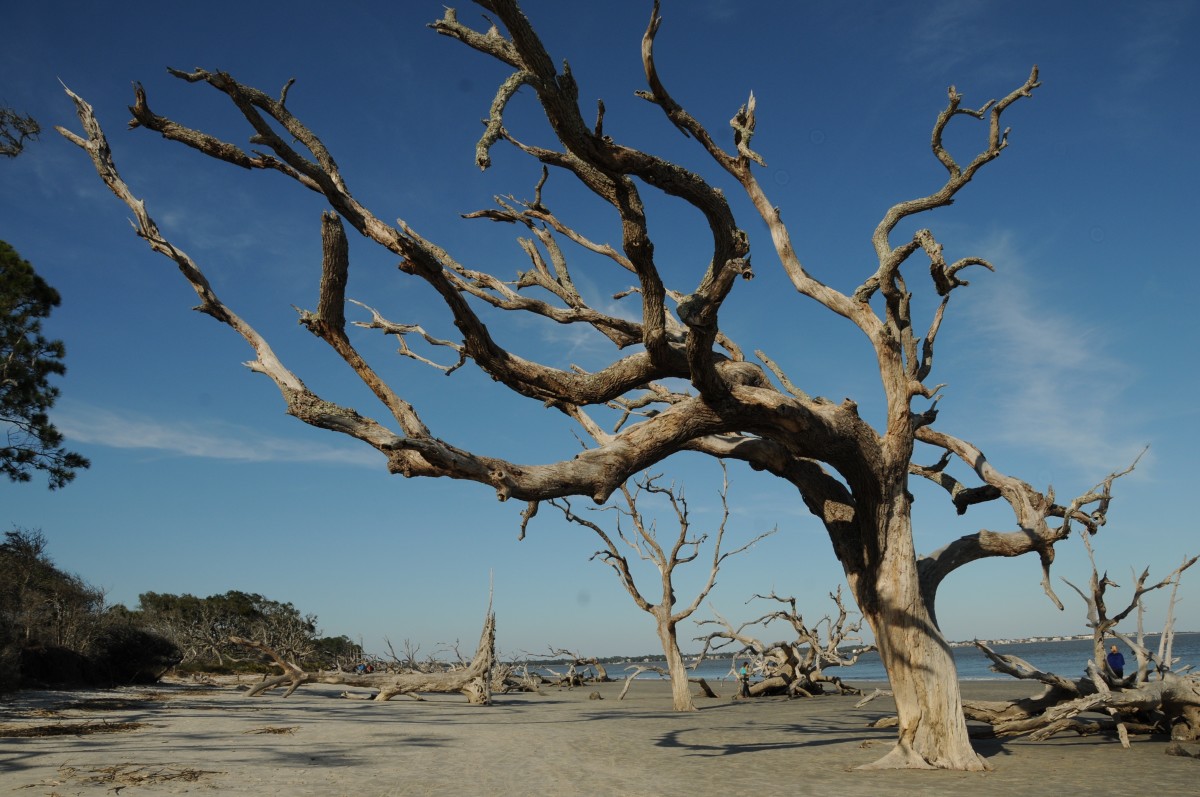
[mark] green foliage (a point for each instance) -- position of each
(27, 360)
(201, 627)
(126, 654)
(55, 628)
(333, 651)
(40, 604)
(15, 128)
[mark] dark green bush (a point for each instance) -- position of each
(129, 655)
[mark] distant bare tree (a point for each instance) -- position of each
(638, 535)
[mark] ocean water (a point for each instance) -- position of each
(1067, 658)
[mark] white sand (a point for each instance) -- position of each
(217, 741)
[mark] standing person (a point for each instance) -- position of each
(1116, 663)
(744, 677)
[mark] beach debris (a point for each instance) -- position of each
(1175, 748)
(573, 677)
(286, 730)
(474, 680)
(1154, 699)
(874, 695)
(67, 729)
(119, 776)
(795, 667)
(635, 670)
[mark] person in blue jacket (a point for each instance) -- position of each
(1116, 663)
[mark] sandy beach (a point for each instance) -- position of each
(177, 738)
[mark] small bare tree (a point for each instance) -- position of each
(795, 667)
(634, 534)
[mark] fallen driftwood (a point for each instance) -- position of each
(1134, 703)
(1167, 705)
(638, 669)
(573, 677)
(794, 667)
(473, 680)
(1128, 703)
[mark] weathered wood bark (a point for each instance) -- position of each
(1161, 705)
(794, 667)
(572, 677)
(1134, 703)
(636, 670)
(474, 681)
(851, 476)
(920, 667)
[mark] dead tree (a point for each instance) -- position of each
(665, 555)
(684, 385)
(572, 677)
(1134, 703)
(474, 681)
(637, 669)
(794, 667)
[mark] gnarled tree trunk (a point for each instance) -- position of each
(919, 663)
(681, 694)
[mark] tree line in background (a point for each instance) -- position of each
(55, 628)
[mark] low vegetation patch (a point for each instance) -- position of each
(67, 729)
(121, 775)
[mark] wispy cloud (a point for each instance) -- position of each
(1155, 36)
(1057, 388)
(946, 33)
(216, 440)
(582, 343)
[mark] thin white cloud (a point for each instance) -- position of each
(1058, 389)
(1154, 39)
(581, 341)
(946, 33)
(722, 10)
(217, 440)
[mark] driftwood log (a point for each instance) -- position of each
(638, 669)
(1156, 699)
(1133, 703)
(794, 667)
(1169, 705)
(474, 680)
(573, 677)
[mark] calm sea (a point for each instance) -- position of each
(1067, 659)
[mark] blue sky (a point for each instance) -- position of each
(1077, 353)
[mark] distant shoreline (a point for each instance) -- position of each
(690, 657)
(1035, 640)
